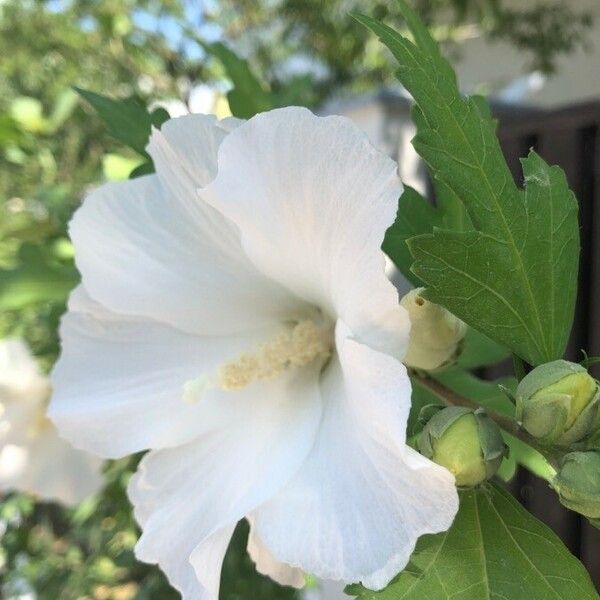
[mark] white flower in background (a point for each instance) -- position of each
(32, 457)
(240, 325)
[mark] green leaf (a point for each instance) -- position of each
(158, 116)
(495, 550)
(239, 578)
(420, 398)
(248, 95)
(35, 279)
(146, 168)
(513, 276)
(299, 90)
(480, 351)
(590, 361)
(127, 119)
(415, 216)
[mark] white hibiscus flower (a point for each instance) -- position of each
(32, 457)
(235, 319)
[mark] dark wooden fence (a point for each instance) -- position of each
(569, 138)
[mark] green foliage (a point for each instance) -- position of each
(415, 217)
(493, 395)
(35, 279)
(127, 119)
(485, 393)
(342, 54)
(248, 95)
(28, 113)
(490, 395)
(36, 269)
(494, 550)
(240, 580)
(479, 351)
(82, 552)
(54, 143)
(51, 150)
(87, 551)
(513, 277)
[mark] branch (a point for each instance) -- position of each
(451, 398)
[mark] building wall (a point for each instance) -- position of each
(498, 65)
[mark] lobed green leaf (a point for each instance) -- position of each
(507, 265)
(415, 216)
(509, 553)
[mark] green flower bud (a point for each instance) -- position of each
(557, 403)
(592, 442)
(468, 443)
(436, 335)
(578, 483)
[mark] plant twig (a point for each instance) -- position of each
(451, 398)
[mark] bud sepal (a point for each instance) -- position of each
(468, 443)
(557, 403)
(577, 483)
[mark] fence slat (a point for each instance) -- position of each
(570, 138)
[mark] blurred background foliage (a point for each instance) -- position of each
(318, 36)
(53, 147)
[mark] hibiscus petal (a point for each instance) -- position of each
(19, 371)
(139, 253)
(267, 565)
(182, 496)
(362, 498)
(49, 467)
(312, 199)
(203, 570)
(184, 152)
(32, 457)
(119, 381)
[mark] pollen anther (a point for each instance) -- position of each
(290, 349)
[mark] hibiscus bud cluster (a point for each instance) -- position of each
(578, 483)
(436, 335)
(558, 402)
(466, 442)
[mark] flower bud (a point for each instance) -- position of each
(435, 336)
(557, 403)
(592, 442)
(468, 443)
(578, 483)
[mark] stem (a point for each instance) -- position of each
(519, 367)
(451, 398)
